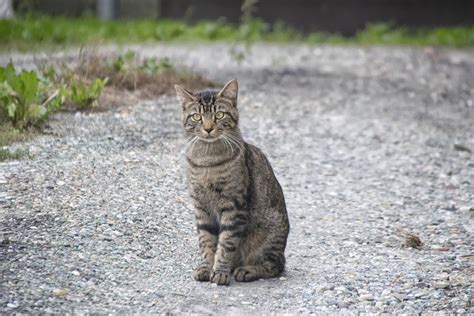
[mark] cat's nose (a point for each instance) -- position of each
(208, 130)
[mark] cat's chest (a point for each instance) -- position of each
(213, 178)
(211, 185)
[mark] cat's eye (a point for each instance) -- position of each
(196, 117)
(219, 115)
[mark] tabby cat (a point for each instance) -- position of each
(241, 215)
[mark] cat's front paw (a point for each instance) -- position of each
(202, 273)
(220, 277)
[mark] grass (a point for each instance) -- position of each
(8, 135)
(26, 33)
(6, 154)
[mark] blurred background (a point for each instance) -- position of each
(394, 22)
(345, 17)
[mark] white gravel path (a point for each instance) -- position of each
(361, 139)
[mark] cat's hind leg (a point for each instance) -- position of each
(269, 267)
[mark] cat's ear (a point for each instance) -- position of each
(184, 95)
(230, 91)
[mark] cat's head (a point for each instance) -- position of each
(209, 114)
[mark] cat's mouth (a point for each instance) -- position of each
(208, 138)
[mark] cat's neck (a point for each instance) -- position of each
(203, 153)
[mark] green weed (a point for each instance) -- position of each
(85, 96)
(24, 100)
(6, 154)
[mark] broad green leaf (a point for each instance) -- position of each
(7, 73)
(30, 86)
(5, 89)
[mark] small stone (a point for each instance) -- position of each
(459, 279)
(341, 289)
(344, 303)
(12, 305)
(418, 294)
(366, 297)
(326, 287)
(379, 304)
(439, 248)
(440, 284)
(441, 276)
(76, 273)
(399, 296)
(460, 147)
(466, 208)
(90, 283)
(283, 279)
(61, 292)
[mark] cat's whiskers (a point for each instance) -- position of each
(227, 144)
(237, 145)
(190, 139)
(191, 144)
(235, 141)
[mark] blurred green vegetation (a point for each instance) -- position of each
(26, 33)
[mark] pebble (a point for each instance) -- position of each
(440, 285)
(61, 292)
(357, 158)
(12, 305)
(442, 276)
(385, 292)
(366, 297)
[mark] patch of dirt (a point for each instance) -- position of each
(133, 84)
(411, 241)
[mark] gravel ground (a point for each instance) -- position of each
(361, 139)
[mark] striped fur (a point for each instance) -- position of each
(241, 217)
